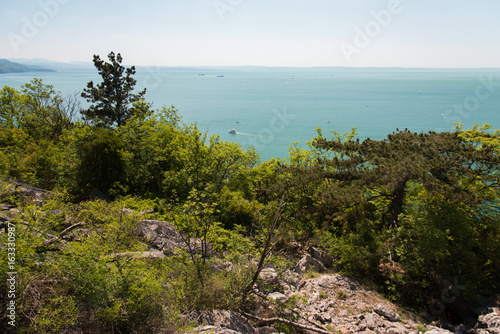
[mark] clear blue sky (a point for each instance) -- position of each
(416, 33)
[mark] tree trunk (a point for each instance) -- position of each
(396, 205)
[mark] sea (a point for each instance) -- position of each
(273, 108)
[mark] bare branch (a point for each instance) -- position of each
(63, 232)
(285, 321)
(66, 230)
(268, 246)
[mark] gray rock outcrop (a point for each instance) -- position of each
(307, 263)
(166, 238)
(162, 235)
(322, 256)
(385, 311)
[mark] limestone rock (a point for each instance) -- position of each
(267, 330)
(162, 235)
(370, 319)
(269, 276)
(277, 296)
(489, 323)
(394, 330)
(165, 237)
(307, 263)
(321, 256)
(386, 312)
(126, 211)
(222, 322)
(212, 330)
(334, 281)
(436, 330)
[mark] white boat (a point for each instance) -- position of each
(232, 131)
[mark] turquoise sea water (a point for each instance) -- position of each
(270, 108)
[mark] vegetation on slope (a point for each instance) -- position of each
(410, 213)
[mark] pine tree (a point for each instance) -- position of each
(448, 166)
(112, 99)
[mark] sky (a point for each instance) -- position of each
(356, 33)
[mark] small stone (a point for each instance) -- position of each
(436, 330)
(267, 330)
(343, 330)
(126, 211)
(371, 321)
(269, 275)
(277, 296)
(395, 330)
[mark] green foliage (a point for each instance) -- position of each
(150, 153)
(422, 328)
(44, 114)
(10, 113)
(235, 210)
(114, 293)
(32, 123)
(101, 166)
(341, 295)
(85, 282)
(411, 214)
(355, 248)
(55, 314)
(197, 286)
(444, 163)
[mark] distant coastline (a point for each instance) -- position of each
(38, 64)
(7, 66)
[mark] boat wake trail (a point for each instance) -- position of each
(247, 134)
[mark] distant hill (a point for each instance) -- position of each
(11, 67)
(54, 65)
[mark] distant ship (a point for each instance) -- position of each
(232, 131)
(202, 74)
(220, 76)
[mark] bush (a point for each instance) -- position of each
(101, 168)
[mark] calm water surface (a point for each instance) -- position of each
(272, 108)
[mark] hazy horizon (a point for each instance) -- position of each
(104, 56)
